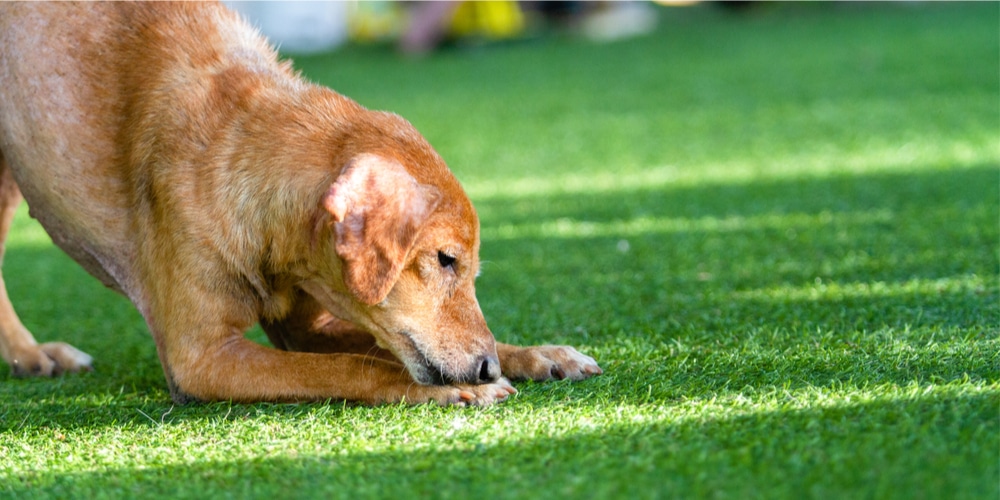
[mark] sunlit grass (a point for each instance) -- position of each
(645, 225)
(812, 164)
(960, 285)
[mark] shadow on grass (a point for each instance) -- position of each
(879, 448)
(859, 252)
(931, 234)
(880, 227)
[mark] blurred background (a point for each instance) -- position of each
(420, 27)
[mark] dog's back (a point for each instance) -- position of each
(108, 76)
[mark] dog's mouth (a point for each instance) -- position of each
(419, 365)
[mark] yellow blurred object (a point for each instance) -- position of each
(494, 20)
(375, 20)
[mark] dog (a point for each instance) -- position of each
(167, 150)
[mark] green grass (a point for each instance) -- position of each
(779, 234)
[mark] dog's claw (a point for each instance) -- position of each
(464, 395)
(487, 394)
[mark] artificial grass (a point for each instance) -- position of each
(777, 232)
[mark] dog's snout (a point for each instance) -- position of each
(489, 370)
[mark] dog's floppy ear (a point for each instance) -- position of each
(377, 209)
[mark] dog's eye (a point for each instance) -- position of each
(446, 260)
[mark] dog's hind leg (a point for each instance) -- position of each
(18, 348)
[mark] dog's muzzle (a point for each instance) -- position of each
(485, 370)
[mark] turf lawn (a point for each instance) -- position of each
(778, 233)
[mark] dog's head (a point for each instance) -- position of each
(407, 240)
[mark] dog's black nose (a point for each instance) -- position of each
(489, 370)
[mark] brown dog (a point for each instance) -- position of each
(165, 149)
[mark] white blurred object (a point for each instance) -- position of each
(297, 26)
(618, 20)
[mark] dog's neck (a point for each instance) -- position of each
(280, 165)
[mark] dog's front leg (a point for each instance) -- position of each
(209, 360)
(242, 371)
(545, 362)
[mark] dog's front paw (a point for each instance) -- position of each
(485, 394)
(68, 358)
(50, 359)
(461, 395)
(547, 362)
